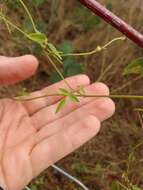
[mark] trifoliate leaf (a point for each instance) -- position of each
(61, 105)
(135, 67)
(38, 38)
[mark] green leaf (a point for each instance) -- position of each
(136, 188)
(135, 67)
(86, 19)
(71, 67)
(24, 92)
(92, 22)
(109, 6)
(39, 38)
(55, 77)
(28, 27)
(64, 91)
(81, 90)
(13, 5)
(37, 2)
(80, 168)
(73, 98)
(54, 50)
(61, 105)
(66, 47)
(41, 26)
(33, 187)
(115, 186)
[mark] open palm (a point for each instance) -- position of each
(33, 137)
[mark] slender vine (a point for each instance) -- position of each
(55, 57)
(50, 51)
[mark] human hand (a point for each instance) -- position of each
(33, 137)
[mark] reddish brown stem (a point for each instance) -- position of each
(115, 21)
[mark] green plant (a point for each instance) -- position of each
(51, 52)
(65, 56)
(67, 59)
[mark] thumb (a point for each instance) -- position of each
(15, 69)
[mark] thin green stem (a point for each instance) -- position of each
(112, 41)
(84, 96)
(46, 51)
(98, 48)
(29, 15)
(56, 68)
(13, 25)
(7, 26)
(125, 97)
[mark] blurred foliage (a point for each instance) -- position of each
(85, 18)
(70, 65)
(115, 186)
(37, 183)
(135, 67)
(36, 2)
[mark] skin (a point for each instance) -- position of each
(32, 136)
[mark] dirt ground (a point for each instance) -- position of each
(104, 158)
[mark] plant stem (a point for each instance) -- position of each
(85, 96)
(98, 48)
(114, 96)
(13, 25)
(29, 15)
(114, 40)
(56, 68)
(46, 52)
